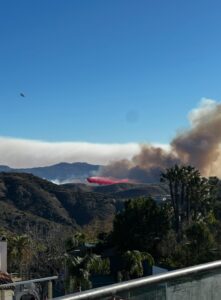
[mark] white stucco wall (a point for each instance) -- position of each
(6, 295)
(3, 256)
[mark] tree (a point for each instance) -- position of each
(191, 194)
(81, 268)
(74, 241)
(20, 253)
(140, 225)
(133, 263)
(201, 243)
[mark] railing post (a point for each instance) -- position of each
(50, 293)
(2, 295)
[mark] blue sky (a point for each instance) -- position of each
(114, 71)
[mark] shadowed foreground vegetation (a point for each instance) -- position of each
(184, 230)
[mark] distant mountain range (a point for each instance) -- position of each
(59, 173)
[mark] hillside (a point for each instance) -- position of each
(123, 191)
(26, 200)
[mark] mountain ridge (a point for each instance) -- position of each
(59, 173)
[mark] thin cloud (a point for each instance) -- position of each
(22, 153)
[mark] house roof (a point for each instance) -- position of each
(5, 278)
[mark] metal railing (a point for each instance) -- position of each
(17, 283)
(25, 282)
(114, 289)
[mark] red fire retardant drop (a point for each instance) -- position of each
(106, 180)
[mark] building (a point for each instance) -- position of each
(6, 293)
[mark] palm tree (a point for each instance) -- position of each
(171, 177)
(81, 268)
(74, 241)
(184, 183)
(133, 263)
(21, 252)
(190, 194)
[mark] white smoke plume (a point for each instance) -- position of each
(199, 146)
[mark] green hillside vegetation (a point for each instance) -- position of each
(124, 190)
(26, 200)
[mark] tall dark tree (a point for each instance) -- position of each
(140, 225)
(191, 194)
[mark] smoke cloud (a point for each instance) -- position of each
(199, 146)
